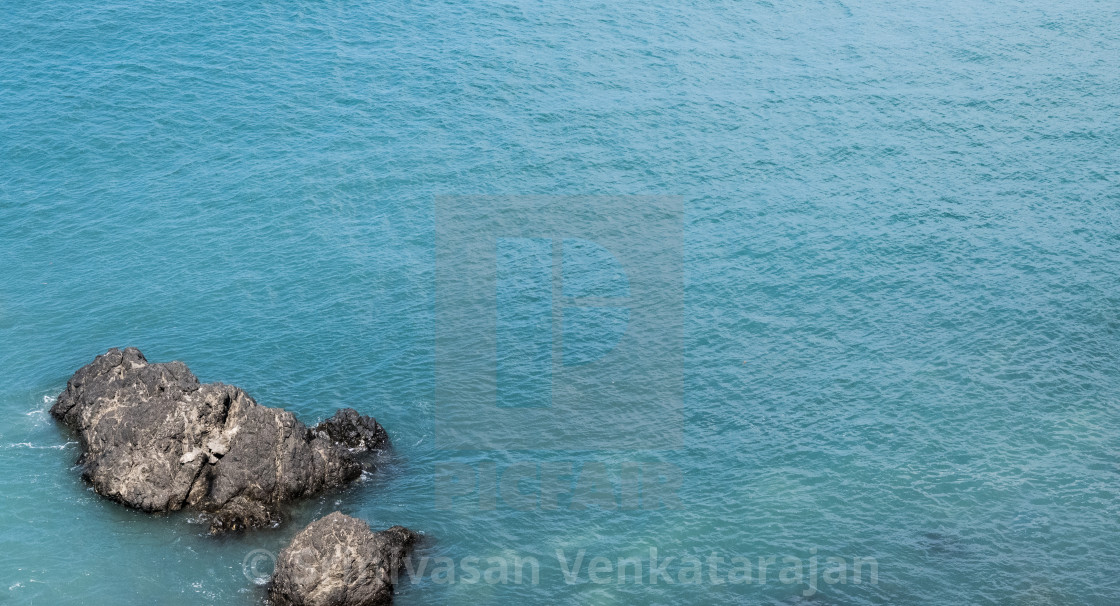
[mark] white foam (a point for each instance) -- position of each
(35, 447)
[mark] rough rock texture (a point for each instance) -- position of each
(154, 438)
(339, 561)
(352, 430)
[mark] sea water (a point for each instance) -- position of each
(900, 231)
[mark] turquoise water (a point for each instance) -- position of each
(900, 236)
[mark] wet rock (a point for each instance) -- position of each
(154, 438)
(356, 432)
(339, 561)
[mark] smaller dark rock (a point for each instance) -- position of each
(357, 432)
(339, 561)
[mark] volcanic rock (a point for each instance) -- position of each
(154, 438)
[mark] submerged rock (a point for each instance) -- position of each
(154, 438)
(339, 561)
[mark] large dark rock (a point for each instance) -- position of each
(154, 438)
(339, 561)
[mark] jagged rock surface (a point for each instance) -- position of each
(154, 438)
(339, 561)
(354, 431)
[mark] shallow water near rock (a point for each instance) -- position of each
(900, 239)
